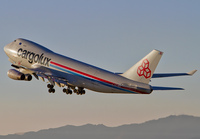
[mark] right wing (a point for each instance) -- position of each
(163, 75)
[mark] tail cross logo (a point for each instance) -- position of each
(143, 69)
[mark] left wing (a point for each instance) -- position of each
(44, 73)
(50, 75)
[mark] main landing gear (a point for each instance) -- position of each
(51, 89)
(68, 91)
(79, 91)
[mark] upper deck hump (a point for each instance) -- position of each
(29, 43)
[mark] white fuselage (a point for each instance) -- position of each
(30, 55)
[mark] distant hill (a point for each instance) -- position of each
(172, 127)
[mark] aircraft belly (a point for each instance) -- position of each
(87, 76)
(96, 86)
(86, 83)
(97, 80)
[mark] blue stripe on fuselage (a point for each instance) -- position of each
(80, 75)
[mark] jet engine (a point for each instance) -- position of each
(28, 77)
(16, 75)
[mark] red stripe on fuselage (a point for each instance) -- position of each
(96, 78)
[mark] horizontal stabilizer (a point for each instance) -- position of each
(161, 75)
(166, 88)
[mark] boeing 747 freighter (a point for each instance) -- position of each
(31, 59)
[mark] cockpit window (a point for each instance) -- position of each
(14, 40)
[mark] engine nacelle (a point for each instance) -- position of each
(15, 75)
(28, 77)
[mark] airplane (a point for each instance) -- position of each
(31, 59)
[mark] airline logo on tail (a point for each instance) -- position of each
(144, 70)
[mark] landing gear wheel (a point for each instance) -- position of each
(76, 91)
(69, 91)
(51, 89)
(83, 92)
(50, 86)
(64, 90)
(80, 91)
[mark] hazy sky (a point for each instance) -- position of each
(111, 34)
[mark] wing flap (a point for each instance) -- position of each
(49, 74)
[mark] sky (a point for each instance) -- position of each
(113, 35)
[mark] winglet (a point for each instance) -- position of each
(191, 72)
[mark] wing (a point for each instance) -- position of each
(51, 75)
(54, 77)
(161, 75)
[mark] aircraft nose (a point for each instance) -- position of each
(6, 49)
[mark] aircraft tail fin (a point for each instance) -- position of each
(144, 69)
